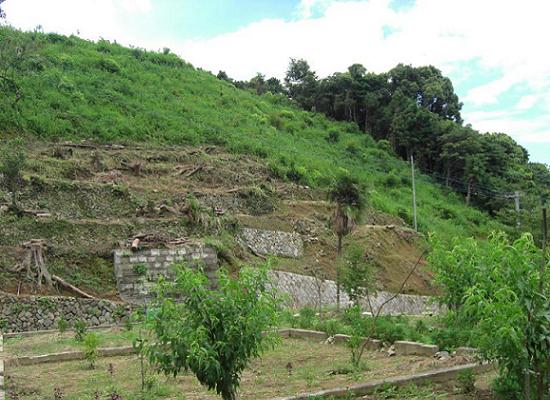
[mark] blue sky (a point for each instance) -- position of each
(494, 51)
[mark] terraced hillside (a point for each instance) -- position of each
(152, 133)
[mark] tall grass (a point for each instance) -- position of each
(75, 89)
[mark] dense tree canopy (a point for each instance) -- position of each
(418, 112)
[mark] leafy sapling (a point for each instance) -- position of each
(214, 333)
(91, 344)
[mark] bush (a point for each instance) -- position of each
(391, 180)
(140, 270)
(109, 65)
(333, 137)
(80, 330)
(330, 326)
(91, 344)
(466, 381)
(62, 325)
(276, 121)
(306, 319)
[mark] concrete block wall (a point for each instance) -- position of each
(134, 287)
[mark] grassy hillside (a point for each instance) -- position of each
(262, 160)
(75, 89)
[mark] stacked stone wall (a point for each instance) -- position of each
(277, 243)
(18, 314)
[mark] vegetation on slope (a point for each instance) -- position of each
(75, 89)
(417, 111)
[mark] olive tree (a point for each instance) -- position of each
(212, 332)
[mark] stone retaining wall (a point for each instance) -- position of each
(302, 291)
(44, 312)
(137, 272)
(277, 243)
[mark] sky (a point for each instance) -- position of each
(495, 51)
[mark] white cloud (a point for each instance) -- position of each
(525, 130)
(508, 37)
(527, 102)
(139, 6)
(306, 8)
(90, 19)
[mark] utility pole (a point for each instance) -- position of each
(414, 194)
(516, 200)
(515, 196)
(544, 236)
(539, 370)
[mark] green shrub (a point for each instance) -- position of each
(140, 270)
(330, 326)
(333, 137)
(109, 65)
(466, 381)
(307, 318)
(80, 330)
(391, 180)
(276, 121)
(62, 325)
(91, 345)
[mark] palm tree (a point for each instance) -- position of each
(347, 197)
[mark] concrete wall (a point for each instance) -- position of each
(19, 314)
(134, 287)
(301, 291)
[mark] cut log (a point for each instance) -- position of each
(135, 244)
(72, 288)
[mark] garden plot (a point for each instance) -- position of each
(293, 366)
(56, 342)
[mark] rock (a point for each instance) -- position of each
(466, 351)
(413, 348)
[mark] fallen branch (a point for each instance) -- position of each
(37, 213)
(72, 288)
(187, 174)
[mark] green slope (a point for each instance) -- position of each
(74, 89)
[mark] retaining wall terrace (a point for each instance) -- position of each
(302, 291)
(18, 314)
(137, 272)
(276, 243)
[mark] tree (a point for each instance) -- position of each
(2, 13)
(222, 76)
(12, 162)
(213, 333)
(357, 273)
(258, 83)
(503, 295)
(301, 83)
(274, 85)
(348, 199)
